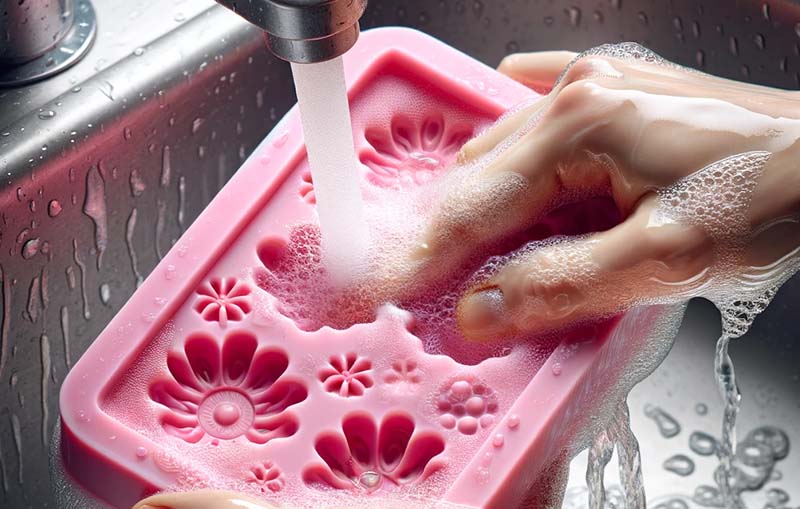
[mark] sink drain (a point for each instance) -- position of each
(68, 51)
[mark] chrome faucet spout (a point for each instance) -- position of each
(304, 31)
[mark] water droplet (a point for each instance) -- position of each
(707, 496)
(677, 22)
(513, 422)
(617, 4)
(701, 409)
(31, 248)
(105, 293)
(598, 16)
(170, 274)
(549, 20)
(498, 440)
(75, 90)
(696, 29)
(642, 17)
(179, 17)
(765, 11)
(679, 464)
(47, 114)
(702, 443)
(281, 140)
(512, 47)
(197, 124)
(667, 425)
(776, 475)
(141, 452)
(760, 40)
(53, 208)
(574, 14)
(94, 206)
(777, 496)
(369, 481)
(797, 29)
(775, 438)
(700, 58)
(556, 368)
(139, 52)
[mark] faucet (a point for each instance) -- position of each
(39, 38)
(304, 31)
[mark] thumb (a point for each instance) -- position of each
(549, 286)
(202, 499)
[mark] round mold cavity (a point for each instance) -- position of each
(467, 404)
(272, 251)
(226, 414)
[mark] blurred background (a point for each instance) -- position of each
(158, 102)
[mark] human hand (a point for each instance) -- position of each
(701, 169)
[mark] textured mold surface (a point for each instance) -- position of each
(216, 375)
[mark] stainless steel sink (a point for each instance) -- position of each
(104, 165)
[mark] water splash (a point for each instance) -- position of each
(65, 336)
(166, 166)
(667, 425)
(34, 304)
(17, 431)
(702, 443)
(44, 344)
(5, 317)
(130, 227)
(94, 206)
(181, 202)
(161, 218)
(679, 464)
(82, 268)
(617, 434)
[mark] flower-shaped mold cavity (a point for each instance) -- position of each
(223, 299)
(403, 376)
(228, 392)
(467, 404)
(371, 457)
(347, 375)
(267, 476)
(412, 152)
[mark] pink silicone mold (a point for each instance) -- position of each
(204, 379)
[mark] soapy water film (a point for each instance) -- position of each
(715, 199)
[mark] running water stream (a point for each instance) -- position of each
(325, 115)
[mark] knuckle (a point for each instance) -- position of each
(576, 96)
(583, 69)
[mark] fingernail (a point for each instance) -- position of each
(483, 314)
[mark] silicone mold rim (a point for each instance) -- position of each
(91, 436)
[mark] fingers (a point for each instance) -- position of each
(640, 260)
(488, 140)
(202, 499)
(536, 70)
